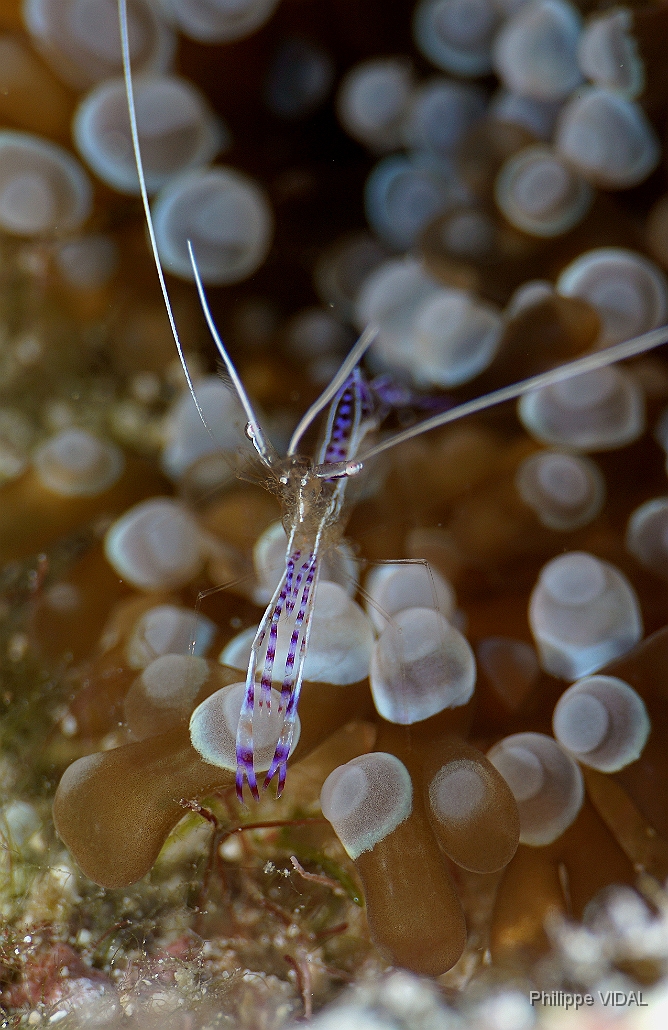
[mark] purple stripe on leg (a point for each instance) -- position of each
(292, 600)
(246, 769)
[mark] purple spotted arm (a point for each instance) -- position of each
(351, 415)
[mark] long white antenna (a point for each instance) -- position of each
(588, 363)
(254, 429)
(127, 73)
(355, 355)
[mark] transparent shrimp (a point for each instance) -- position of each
(312, 492)
(313, 497)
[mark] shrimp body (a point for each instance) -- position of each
(313, 497)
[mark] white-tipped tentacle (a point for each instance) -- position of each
(127, 74)
(351, 361)
(598, 359)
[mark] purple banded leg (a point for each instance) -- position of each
(352, 405)
(245, 746)
(291, 688)
(267, 671)
(270, 656)
(393, 394)
(289, 574)
(279, 762)
(245, 765)
(308, 569)
(288, 678)
(245, 769)
(290, 567)
(294, 593)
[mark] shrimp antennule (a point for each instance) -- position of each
(254, 430)
(134, 131)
